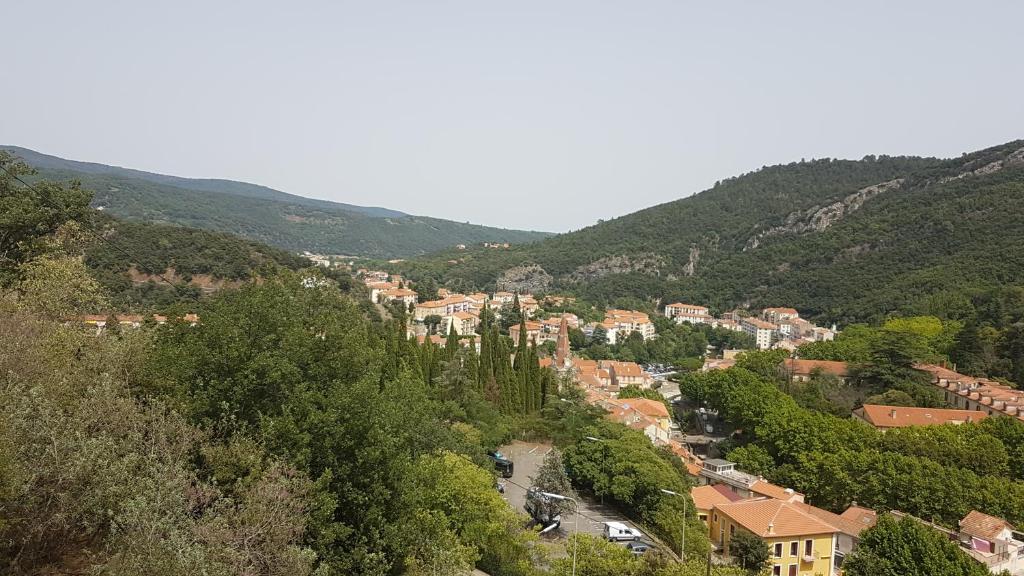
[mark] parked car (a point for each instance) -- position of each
(638, 548)
(502, 464)
(618, 532)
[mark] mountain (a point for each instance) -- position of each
(840, 240)
(137, 254)
(264, 214)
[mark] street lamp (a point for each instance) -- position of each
(682, 539)
(575, 524)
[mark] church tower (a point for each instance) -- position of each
(563, 361)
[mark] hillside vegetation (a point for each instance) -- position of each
(264, 214)
(840, 240)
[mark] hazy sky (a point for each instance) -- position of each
(542, 115)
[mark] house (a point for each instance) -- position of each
(691, 313)
(988, 540)
(978, 394)
(403, 295)
(993, 542)
(445, 307)
(464, 323)
(627, 374)
(528, 306)
(503, 297)
(705, 498)
(778, 315)
(801, 543)
(648, 416)
(763, 332)
(626, 321)
(886, 417)
(718, 471)
(798, 370)
(726, 324)
(551, 325)
(532, 331)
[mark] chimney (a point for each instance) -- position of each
(771, 528)
(892, 413)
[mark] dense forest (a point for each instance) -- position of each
(842, 241)
(265, 215)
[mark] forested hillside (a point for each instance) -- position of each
(840, 240)
(263, 214)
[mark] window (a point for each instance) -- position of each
(732, 530)
(703, 517)
(714, 516)
(778, 549)
(792, 570)
(776, 570)
(808, 547)
(794, 549)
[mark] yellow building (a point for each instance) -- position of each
(706, 497)
(800, 543)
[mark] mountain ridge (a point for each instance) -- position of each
(264, 214)
(843, 240)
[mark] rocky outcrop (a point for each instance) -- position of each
(650, 264)
(526, 279)
(818, 218)
(691, 265)
(1012, 159)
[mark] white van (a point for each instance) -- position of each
(617, 532)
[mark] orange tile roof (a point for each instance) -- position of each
(693, 469)
(770, 518)
(797, 366)
(705, 497)
(901, 416)
(782, 310)
(770, 490)
(983, 526)
(864, 516)
(758, 323)
(845, 525)
(645, 406)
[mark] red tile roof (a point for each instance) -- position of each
(881, 416)
(983, 526)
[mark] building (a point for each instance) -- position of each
(706, 497)
(464, 323)
(404, 295)
(717, 471)
(993, 542)
(528, 306)
(886, 417)
(691, 313)
(798, 370)
(626, 321)
(779, 315)
(978, 394)
(648, 416)
(445, 307)
(801, 544)
(988, 540)
(563, 353)
(627, 374)
(503, 297)
(532, 331)
(763, 332)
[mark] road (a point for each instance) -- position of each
(527, 457)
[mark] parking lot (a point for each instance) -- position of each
(527, 457)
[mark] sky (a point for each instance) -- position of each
(541, 115)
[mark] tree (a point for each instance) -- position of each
(29, 216)
(432, 321)
(551, 477)
(906, 547)
(599, 337)
(59, 287)
(749, 551)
